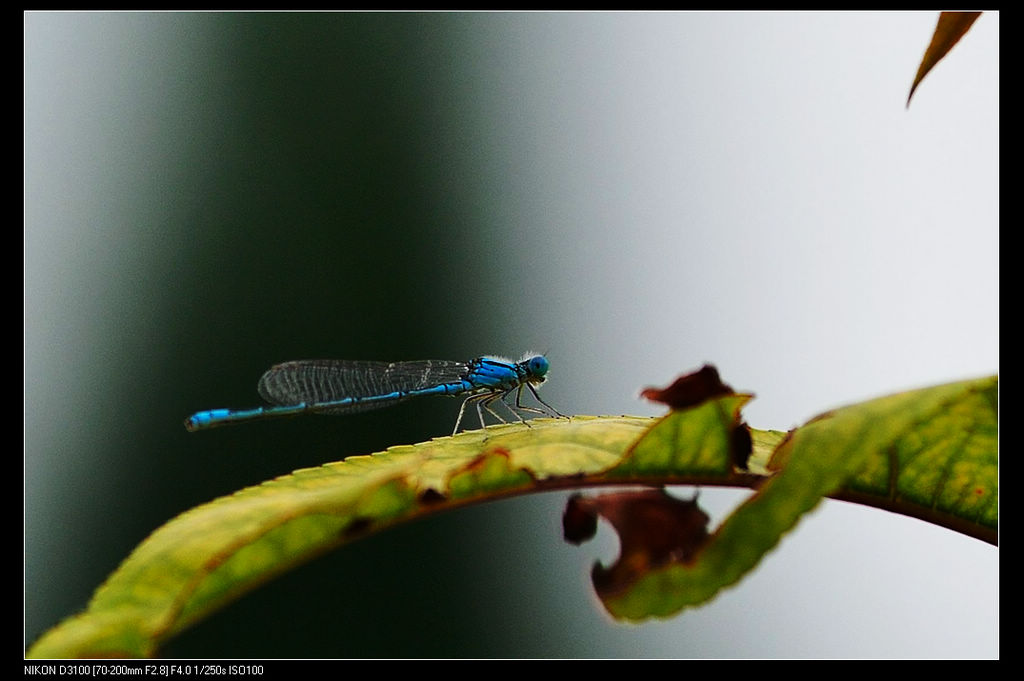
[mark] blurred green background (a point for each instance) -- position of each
(634, 194)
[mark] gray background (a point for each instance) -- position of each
(633, 194)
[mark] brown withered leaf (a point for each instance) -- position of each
(690, 389)
(654, 529)
(951, 27)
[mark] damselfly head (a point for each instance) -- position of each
(537, 366)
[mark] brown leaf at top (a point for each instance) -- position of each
(690, 390)
(949, 30)
(654, 529)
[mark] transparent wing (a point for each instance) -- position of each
(318, 381)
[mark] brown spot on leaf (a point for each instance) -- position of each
(431, 496)
(489, 472)
(690, 390)
(654, 528)
(357, 527)
(481, 461)
(742, 445)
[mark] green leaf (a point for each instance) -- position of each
(932, 453)
(214, 553)
(944, 466)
